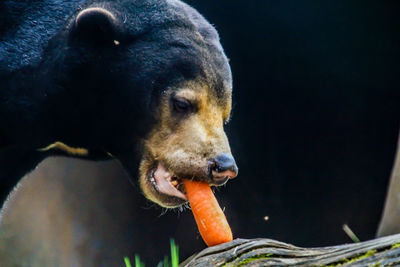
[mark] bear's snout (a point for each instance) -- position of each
(222, 168)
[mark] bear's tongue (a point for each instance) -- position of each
(163, 180)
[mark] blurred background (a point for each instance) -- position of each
(314, 128)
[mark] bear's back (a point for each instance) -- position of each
(27, 26)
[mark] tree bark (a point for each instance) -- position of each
(384, 251)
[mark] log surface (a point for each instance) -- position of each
(384, 251)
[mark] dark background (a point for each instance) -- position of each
(314, 128)
(316, 115)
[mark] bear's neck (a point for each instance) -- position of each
(19, 107)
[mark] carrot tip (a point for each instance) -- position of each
(209, 217)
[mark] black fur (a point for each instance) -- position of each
(94, 84)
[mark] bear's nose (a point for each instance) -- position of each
(222, 168)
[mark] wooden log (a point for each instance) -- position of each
(384, 251)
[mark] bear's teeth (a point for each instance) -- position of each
(174, 182)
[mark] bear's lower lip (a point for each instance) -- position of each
(166, 183)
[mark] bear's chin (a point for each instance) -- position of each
(161, 186)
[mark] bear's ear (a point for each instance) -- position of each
(96, 26)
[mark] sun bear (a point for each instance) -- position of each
(146, 82)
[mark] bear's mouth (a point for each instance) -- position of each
(167, 184)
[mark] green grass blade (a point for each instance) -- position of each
(174, 253)
(166, 263)
(127, 262)
(138, 263)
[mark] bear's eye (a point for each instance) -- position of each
(181, 105)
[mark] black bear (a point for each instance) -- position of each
(145, 81)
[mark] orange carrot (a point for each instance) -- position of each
(210, 219)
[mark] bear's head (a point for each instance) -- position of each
(146, 82)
